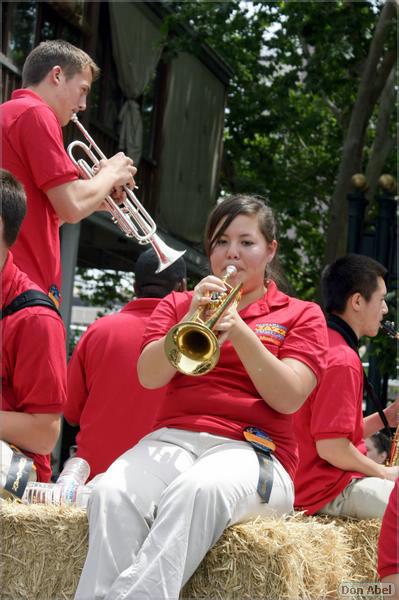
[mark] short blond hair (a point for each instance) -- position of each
(47, 55)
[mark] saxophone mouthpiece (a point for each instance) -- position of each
(389, 328)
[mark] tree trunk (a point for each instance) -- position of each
(383, 142)
(371, 84)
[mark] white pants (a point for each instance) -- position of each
(365, 498)
(162, 505)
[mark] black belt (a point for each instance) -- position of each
(263, 446)
(266, 475)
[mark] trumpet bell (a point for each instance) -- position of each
(131, 216)
(166, 255)
(192, 348)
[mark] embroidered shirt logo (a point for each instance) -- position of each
(271, 332)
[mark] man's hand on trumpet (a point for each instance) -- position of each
(123, 170)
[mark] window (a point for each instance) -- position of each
(27, 23)
(19, 23)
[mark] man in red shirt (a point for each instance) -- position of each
(335, 476)
(104, 395)
(33, 361)
(56, 80)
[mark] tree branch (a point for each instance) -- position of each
(333, 108)
(351, 159)
(383, 142)
(383, 72)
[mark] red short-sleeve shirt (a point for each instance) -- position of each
(333, 410)
(33, 151)
(388, 542)
(225, 401)
(104, 395)
(33, 361)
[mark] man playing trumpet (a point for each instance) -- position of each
(56, 80)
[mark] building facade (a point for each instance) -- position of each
(164, 109)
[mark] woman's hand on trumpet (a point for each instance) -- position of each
(203, 291)
(202, 299)
(229, 320)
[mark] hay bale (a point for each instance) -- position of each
(363, 541)
(43, 548)
(273, 558)
(297, 557)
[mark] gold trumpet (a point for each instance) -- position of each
(130, 216)
(191, 346)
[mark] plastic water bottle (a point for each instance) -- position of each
(76, 470)
(70, 494)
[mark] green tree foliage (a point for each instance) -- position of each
(297, 70)
(104, 288)
(310, 103)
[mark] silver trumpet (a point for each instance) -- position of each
(131, 216)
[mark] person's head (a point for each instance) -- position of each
(149, 284)
(378, 447)
(353, 287)
(12, 208)
(62, 75)
(241, 231)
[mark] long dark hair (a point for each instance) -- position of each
(230, 208)
(241, 204)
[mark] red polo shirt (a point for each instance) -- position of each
(333, 410)
(225, 401)
(33, 365)
(388, 542)
(104, 394)
(33, 151)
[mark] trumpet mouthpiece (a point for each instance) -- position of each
(231, 270)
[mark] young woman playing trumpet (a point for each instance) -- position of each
(223, 450)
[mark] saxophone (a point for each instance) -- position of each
(393, 460)
(389, 328)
